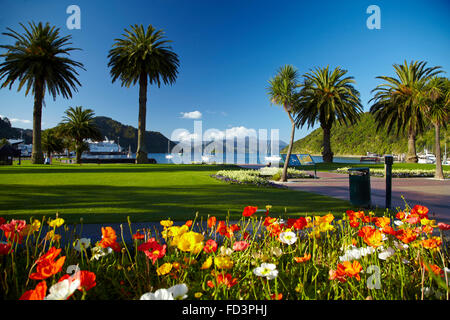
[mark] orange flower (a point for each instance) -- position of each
(406, 235)
(87, 280)
(268, 221)
(189, 223)
(432, 243)
(212, 222)
(382, 222)
(434, 268)
(109, 238)
(375, 239)
(352, 269)
(306, 257)
(46, 266)
(138, 236)
(226, 280)
(38, 293)
(276, 296)
(249, 211)
(422, 211)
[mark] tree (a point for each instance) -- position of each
(39, 61)
(396, 102)
(52, 142)
(78, 125)
(435, 103)
(327, 96)
(282, 90)
(143, 56)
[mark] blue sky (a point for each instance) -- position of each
(228, 51)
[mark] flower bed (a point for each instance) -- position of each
(258, 257)
(398, 173)
(259, 177)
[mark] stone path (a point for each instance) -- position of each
(434, 194)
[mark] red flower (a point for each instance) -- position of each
(249, 211)
(13, 230)
(87, 280)
(153, 250)
(222, 228)
(240, 245)
(226, 280)
(5, 248)
(297, 224)
(210, 246)
(443, 226)
(276, 296)
(400, 215)
(420, 210)
(38, 293)
(189, 223)
(138, 236)
(354, 223)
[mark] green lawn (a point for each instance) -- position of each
(110, 193)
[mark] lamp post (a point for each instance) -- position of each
(388, 161)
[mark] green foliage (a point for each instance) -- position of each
(362, 137)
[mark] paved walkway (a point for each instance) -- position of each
(434, 194)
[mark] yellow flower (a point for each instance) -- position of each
(223, 262)
(207, 264)
(198, 295)
(58, 222)
(427, 222)
(164, 269)
(268, 207)
(190, 242)
(174, 232)
(166, 223)
(36, 225)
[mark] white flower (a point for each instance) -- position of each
(288, 237)
(386, 253)
(82, 243)
(400, 246)
(277, 252)
(426, 291)
(398, 222)
(224, 251)
(160, 294)
(405, 261)
(179, 291)
(267, 270)
(63, 290)
(98, 252)
(356, 253)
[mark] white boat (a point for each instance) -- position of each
(427, 157)
(168, 155)
(105, 146)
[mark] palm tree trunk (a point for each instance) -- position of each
(327, 154)
(288, 155)
(78, 152)
(141, 153)
(37, 157)
(411, 157)
(439, 174)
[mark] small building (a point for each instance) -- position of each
(7, 154)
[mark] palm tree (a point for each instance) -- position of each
(282, 91)
(78, 125)
(328, 96)
(435, 104)
(143, 56)
(51, 142)
(39, 61)
(396, 102)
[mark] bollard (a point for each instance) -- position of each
(388, 161)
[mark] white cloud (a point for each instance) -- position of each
(14, 120)
(234, 132)
(191, 115)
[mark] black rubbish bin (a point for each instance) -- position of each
(359, 180)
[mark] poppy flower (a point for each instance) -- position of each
(374, 239)
(47, 266)
(164, 269)
(297, 224)
(166, 223)
(240, 245)
(153, 250)
(421, 211)
(207, 264)
(382, 222)
(354, 223)
(138, 236)
(249, 211)
(276, 296)
(406, 235)
(13, 230)
(210, 246)
(5, 248)
(109, 238)
(189, 223)
(222, 228)
(212, 222)
(400, 215)
(87, 280)
(226, 280)
(443, 226)
(306, 257)
(191, 242)
(352, 269)
(38, 293)
(413, 219)
(64, 289)
(223, 262)
(432, 243)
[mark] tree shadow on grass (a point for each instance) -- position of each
(148, 203)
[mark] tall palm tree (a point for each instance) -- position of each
(78, 125)
(143, 56)
(282, 90)
(435, 103)
(38, 61)
(326, 97)
(396, 102)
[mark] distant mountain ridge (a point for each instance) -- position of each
(363, 137)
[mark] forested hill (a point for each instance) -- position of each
(9, 132)
(128, 135)
(363, 137)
